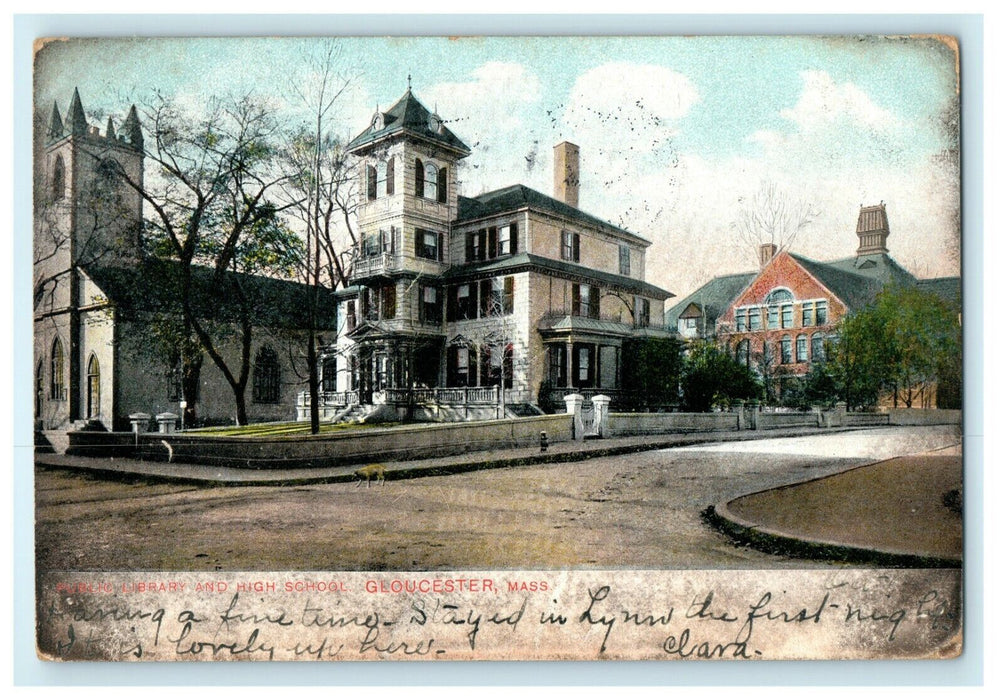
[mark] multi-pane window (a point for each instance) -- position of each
(496, 296)
(787, 313)
(583, 358)
(740, 320)
(430, 310)
(350, 315)
(496, 365)
(585, 300)
(265, 381)
(807, 315)
(475, 248)
(818, 348)
(329, 374)
(755, 319)
(505, 241)
(624, 258)
(557, 361)
(458, 368)
(465, 302)
(801, 349)
(772, 316)
(93, 387)
(431, 181)
(388, 301)
(58, 179)
(821, 315)
(570, 246)
(743, 352)
(427, 245)
(786, 350)
(642, 312)
(57, 381)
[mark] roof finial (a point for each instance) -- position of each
(409, 82)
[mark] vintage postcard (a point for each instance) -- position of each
(497, 348)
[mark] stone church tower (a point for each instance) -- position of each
(86, 216)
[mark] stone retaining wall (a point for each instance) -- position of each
(656, 423)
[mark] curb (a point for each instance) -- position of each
(747, 535)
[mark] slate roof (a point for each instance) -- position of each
(714, 297)
(948, 288)
(516, 197)
(528, 262)
(410, 116)
(152, 287)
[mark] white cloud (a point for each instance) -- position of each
(496, 90)
(823, 103)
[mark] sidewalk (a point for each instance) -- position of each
(571, 451)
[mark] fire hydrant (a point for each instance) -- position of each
(543, 441)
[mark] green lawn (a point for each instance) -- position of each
(282, 429)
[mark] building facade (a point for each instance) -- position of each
(96, 297)
(484, 306)
(778, 320)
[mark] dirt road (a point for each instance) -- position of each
(638, 511)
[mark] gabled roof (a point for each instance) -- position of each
(522, 262)
(948, 288)
(152, 287)
(714, 297)
(516, 197)
(410, 116)
(855, 290)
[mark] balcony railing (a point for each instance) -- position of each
(461, 396)
(336, 399)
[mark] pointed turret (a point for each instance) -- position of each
(110, 130)
(55, 124)
(78, 121)
(132, 130)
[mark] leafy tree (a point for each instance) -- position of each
(900, 344)
(712, 377)
(651, 371)
(209, 185)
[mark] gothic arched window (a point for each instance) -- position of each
(93, 387)
(265, 387)
(58, 179)
(57, 382)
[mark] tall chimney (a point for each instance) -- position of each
(566, 173)
(767, 253)
(873, 230)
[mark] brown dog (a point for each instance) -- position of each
(369, 472)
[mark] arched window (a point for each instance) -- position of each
(93, 387)
(58, 179)
(779, 309)
(779, 296)
(818, 348)
(390, 176)
(431, 181)
(57, 382)
(265, 387)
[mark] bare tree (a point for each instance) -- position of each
(320, 191)
(771, 216)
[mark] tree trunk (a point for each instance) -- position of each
(315, 413)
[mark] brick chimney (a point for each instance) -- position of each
(873, 230)
(566, 173)
(767, 253)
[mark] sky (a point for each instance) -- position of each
(676, 134)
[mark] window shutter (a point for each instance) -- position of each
(508, 303)
(576, 298)
(594, 302)
(419, 178)
(575, 247)
(442, 247)
(486, 296)
(441, 189)
(493, 241)
(390, 175)
(482, 240)
(513, 232)
(371, 182)
(418, 243)
(469, 247)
